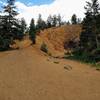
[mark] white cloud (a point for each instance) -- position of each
(64, 7)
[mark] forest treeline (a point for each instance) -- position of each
(90, 35)
(88, 49)
(12, 28)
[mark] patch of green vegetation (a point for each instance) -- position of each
(97, 66)
(83, 58)
(44, 48)
(49, 54)
(56, 62)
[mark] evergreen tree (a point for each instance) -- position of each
(23, 26)
(59, 20)
(10, 12)
(49, 21)
(8, 25)
(68, 23)
(41, 24)
(89, 38)
(74, 19)
(39, 21)
(54, 21)
(44, 25)
(98, 30)
(79, 21)
(32, 32)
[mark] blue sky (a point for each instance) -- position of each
(36, 2)
(33, 2)
(30, 2)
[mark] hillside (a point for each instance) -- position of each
(28, 74)
(55, 38)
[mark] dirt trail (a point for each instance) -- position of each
(26, 74)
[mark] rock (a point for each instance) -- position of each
(68, 67)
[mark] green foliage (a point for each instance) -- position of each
(49, 21)
(81, 56)
(56, 62)
(59, 20)
(4, 43)
(32, 32)
(74, 19)
(8, 25)
(54, 21)
(68, 23)
(44, 48)
(9, 18)
(41, 24)
(23, 26)
(96, 54)
(85, 57)
(90, 35)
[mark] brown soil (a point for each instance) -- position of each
(27, 74)
(57, 38)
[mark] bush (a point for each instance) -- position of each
(44, 48)
(96, 54)
(4, 44)
(82, 56)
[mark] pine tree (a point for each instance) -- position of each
(68, 23)
(98, 30)
(89, 38)
(23, 26)
(79, 21)
(32, 32)
(59, 20)
(10, 11)
(54, 21)
(49, 21)
(41, 24)
(8, 25)
(74, 19)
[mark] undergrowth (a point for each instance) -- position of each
(83, 58)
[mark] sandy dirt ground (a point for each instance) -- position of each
(26, 74)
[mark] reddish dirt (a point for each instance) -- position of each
(27, 74)
(57, 38)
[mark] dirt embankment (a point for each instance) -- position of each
(55, 38)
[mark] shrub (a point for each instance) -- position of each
(44, 48)
(82, 56)
(4, 44)
(96, 54)
(49, 53)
